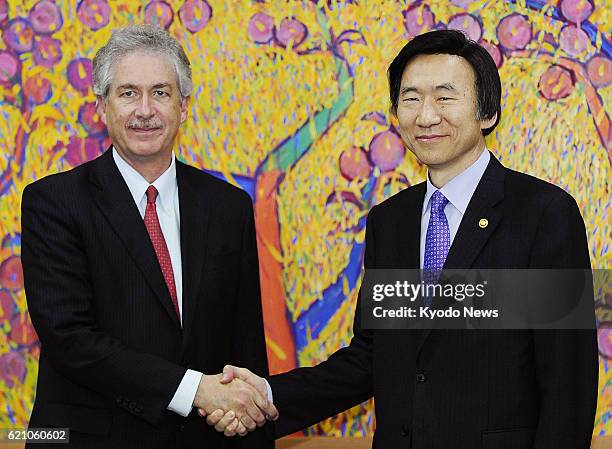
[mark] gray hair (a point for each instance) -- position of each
(140, 38)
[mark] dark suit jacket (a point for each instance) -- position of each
(453, 389)
(112, 349)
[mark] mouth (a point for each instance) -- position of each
(430, 138)
(145, 131)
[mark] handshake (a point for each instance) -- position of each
(234, 402)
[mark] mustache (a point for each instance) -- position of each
(145, 124)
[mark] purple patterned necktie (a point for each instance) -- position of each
(437, 241)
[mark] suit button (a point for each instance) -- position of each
(405, 430)
(420, 378)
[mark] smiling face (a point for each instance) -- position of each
(437, 114)
(143, 111)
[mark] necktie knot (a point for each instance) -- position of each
(438, 201)
(151, 194)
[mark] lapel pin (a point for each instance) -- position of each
(483, 223)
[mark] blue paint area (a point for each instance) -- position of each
(313, 320)
(318, 315)
(246, 183)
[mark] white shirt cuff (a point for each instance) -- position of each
(270, 397)
(182, 401)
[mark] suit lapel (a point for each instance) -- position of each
(111, 194)
(195, 213)
(471, 236)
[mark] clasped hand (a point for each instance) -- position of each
(235, 402)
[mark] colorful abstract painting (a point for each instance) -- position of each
(291, 103)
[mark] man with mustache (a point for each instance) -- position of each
(135, 265)
(442, 388)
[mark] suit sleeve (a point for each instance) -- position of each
(249, 345)
(306, 396)
(59, 290)
(566, 360)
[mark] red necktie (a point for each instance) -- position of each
(159, 244)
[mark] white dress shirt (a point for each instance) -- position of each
(167, 205)
(458, 191)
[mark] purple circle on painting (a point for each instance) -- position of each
(81, 150)
(556, 82)
(3, 10)
(418, 19)
(354, 163)
(95, 14)
(7, 305)
(19, 35)
(387, 150)
(468, 24)
(10, 67)
(494, 51)
(604, 340)
(599, 69)
(195, 15)
(89, 118)
(576, 10)
(79, 74)
(46, 17)
(573, 40)
(11, 273)
(158, 13)
(22, 330)
(12, 366)
(37, 90)
(47, 51)
(261, 28)
(290, 32)
(514, 32)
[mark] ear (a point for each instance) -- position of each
(184, 105)
(101, 108)
(487, 123)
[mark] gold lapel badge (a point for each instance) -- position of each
(483, 223)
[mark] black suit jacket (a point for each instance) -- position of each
(445, 389)
(112, 349)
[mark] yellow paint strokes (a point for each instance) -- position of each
(276, 349)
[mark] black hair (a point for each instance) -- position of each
(488, 84)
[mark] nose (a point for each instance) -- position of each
(143, 109)
(428, 114)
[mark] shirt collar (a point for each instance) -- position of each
(460, 189)
(166, 184)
